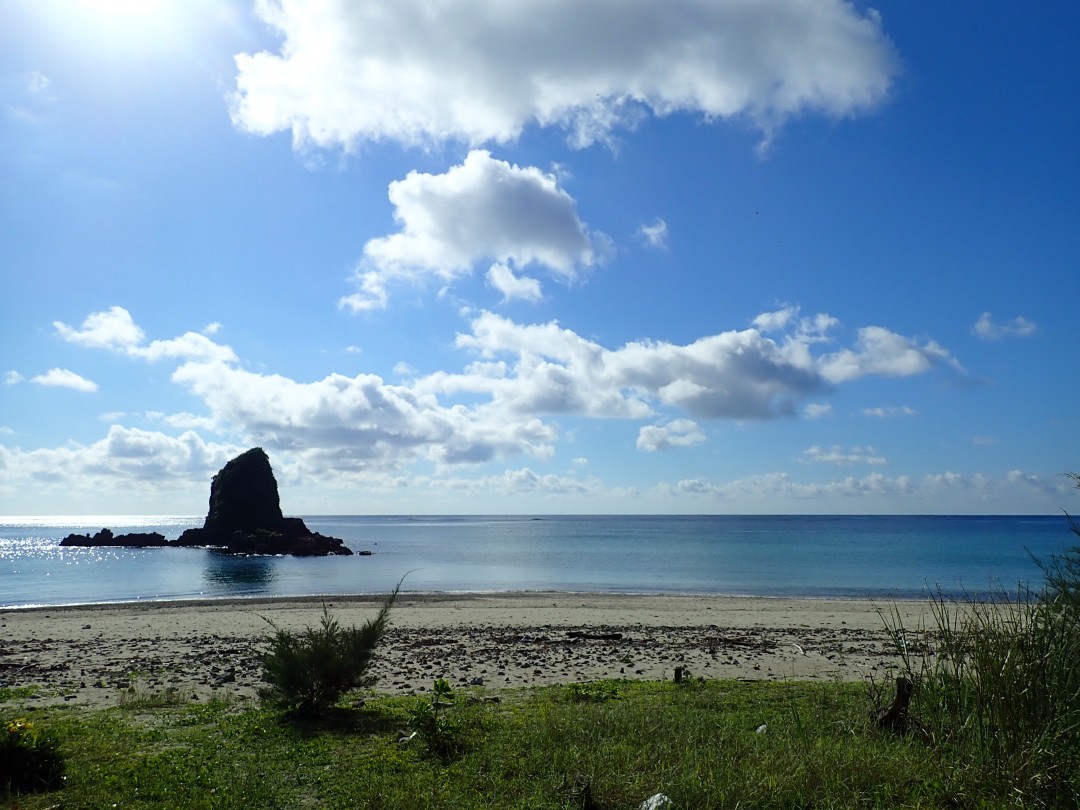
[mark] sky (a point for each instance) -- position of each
(541, 256)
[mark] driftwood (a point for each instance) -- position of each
(895, 718)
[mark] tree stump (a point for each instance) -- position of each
(895, 718)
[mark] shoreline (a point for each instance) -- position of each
(440, 596)
(195, 650)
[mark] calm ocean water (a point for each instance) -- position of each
(838, 556)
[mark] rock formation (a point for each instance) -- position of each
(244, 518)
(245, 515)
(106, 538)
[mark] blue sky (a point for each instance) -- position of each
(700, 256)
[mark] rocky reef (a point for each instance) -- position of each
(244, 518)
(105, 537)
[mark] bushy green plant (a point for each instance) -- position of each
(309, 671)
(30, 759)
(429, 719)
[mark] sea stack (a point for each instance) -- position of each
(245, 515)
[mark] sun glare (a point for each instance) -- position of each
(124, 28)
(125, 8)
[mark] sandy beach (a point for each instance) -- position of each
(93, 655)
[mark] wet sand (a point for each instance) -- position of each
(93, 655)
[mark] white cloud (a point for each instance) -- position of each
(115, 329)
(776, 320)
(63, 378)
(184, 420)
(211, 329)
(126, 457)
(679, 433)
(817, 410)
(1017, 327)
(731, 375)
(655, 234)
(939, 491)
(481, 210)
(36, 82)
(984, 441)
(807, 330)
(482, 71)
(6, 431)
(837, 455)
(503, 404)
(13, 378)
(502, 278)
(881, 352)
(1034, 482)
(889, 411)
(358, 421)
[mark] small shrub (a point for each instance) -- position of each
(440, 732)
(30, 759)
(309, 671)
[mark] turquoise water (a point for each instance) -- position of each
(812, 556)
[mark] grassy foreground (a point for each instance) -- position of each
(608, 745)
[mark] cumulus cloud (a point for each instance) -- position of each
(502, 278)
(731, 375)
(678, 433)
(358, 420)
(554, 370)
(13, 378)
(889, 411)
(481, 210)
(881, 352)
(1017, 327)
(127, 455)
(1034, 482)
(479, 72)
(505, 403)
(655, 234)
(807, 329)
(63, 378)
(781, 486)
(900, 492)
(837, 455)
(115, 329)
(817, 410)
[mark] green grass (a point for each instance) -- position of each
(695, 742)
(9, 694)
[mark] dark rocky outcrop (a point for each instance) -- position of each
(106, 538)
(244, 518)
(245, 515)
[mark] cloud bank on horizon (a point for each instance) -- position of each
(529, 257)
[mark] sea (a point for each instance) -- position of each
(848, 556)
